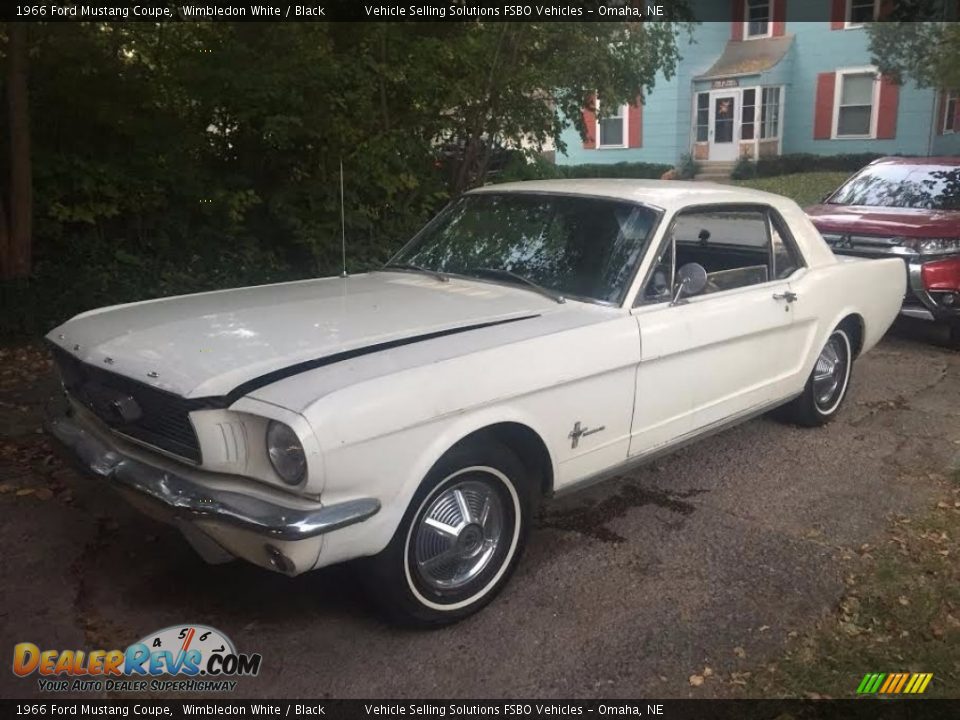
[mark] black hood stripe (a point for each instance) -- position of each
(301, 367)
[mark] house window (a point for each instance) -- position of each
(860, 12)
(703, 117)
(951, 101)
(748, 112)
(757, 23)
(770, 113)
(856, 99)
(612, 130)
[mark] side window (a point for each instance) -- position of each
(785, 260)
(659, 287)
(738, 246)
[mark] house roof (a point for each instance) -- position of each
(747, 57)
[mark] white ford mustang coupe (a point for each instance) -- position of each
(533, 337)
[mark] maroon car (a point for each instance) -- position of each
(906, 207)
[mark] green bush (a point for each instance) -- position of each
(542, 169)
(638, 170)
(806, 162)
(687, 168)
(743, 169)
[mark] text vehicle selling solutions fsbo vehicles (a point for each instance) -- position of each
(531, 338)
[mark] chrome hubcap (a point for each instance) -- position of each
(458, 535)
(829, 373)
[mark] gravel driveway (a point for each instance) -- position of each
(626, 589)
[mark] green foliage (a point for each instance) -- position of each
(805, 162)
(916, 44)
(687, 168)
(174, 157)
(743, 168)
(541, 169)
(805, 189)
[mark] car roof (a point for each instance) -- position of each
(918, 160)
(665, 194)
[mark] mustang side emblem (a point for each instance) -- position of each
(579, 432)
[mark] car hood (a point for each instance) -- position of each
(887, 221)
(211, 344)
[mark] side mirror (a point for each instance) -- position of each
(691, 280)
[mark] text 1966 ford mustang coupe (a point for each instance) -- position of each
(531, 338)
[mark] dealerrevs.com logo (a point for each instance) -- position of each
(197, 657)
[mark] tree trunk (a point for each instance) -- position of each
(17, 259)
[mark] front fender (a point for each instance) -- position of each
(391, 468)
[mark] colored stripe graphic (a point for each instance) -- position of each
(894, 683)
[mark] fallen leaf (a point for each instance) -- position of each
(739, 652)
(696, 680)
(764, 628)
(25, 491)
(707, 671)
(903, 600)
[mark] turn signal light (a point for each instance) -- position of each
(942, 275)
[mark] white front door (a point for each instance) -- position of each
(724, 125)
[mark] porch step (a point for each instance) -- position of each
(715, 170)
(712, 176)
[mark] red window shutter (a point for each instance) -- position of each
(887, 112)
(590, 121)
(956, 116)
(635, 124)
(940, 120)
(886, 7)
(736, 23)
(838, 14)
(823, 107)
(779, 18)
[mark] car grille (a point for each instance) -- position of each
(869, 246)
(875, 246)
(154, 417)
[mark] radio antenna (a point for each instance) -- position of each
(343, 226)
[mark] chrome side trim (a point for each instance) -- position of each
(187, 499)
(636, 461)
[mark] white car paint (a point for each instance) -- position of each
(373, 425)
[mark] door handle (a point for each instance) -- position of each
(787, 295)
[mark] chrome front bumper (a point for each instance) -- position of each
(183, 498)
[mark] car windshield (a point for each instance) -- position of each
(929, 187)
(579, 247)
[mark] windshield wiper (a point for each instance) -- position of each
(418, 268)
(510, 275)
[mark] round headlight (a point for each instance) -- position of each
(286, 452)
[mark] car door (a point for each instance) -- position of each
(721, 354)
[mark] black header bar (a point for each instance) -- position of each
(398, 11)
(871, 709)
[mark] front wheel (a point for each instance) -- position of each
(459, 540)
(827, 385)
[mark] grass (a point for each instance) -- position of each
(805, 188)
(900, 613)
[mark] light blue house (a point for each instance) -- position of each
(769, 80)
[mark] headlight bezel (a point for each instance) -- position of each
(286, 453)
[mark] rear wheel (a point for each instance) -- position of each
(459, 540)
(827, 385)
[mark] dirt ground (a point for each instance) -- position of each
(711, 558)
